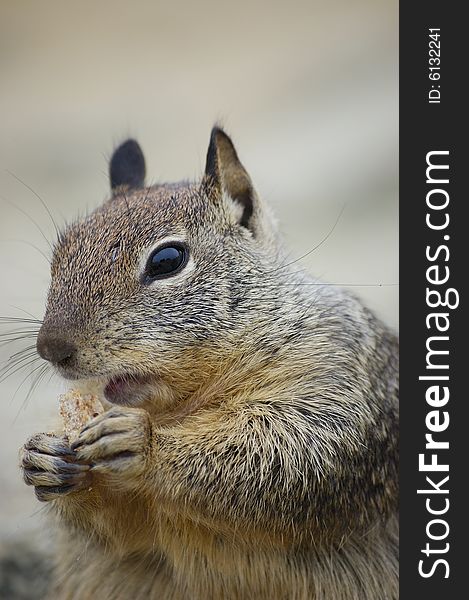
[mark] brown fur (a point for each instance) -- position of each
(258, 459)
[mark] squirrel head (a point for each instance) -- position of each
(156, 285)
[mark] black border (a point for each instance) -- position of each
(425, 127)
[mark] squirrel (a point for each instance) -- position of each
(250, 446)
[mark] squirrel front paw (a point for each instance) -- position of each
(116, 444)
(49, 464)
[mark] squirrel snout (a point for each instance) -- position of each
(54, 348)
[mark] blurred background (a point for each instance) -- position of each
(307, 89)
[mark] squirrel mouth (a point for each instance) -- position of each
(127, 389)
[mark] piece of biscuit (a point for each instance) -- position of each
(76, 410)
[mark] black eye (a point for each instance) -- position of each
(164, 262)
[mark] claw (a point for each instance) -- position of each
(102, 426)
(46, 493)
(49, 464)
(43, 478)
(49, 444)
(46, 462)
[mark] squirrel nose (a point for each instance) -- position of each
(54, 348)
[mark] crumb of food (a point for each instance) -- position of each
(76, 410)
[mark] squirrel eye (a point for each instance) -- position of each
(164, 262)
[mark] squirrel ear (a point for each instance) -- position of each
(127, 166)
(225, 171)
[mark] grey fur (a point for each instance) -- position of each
(259, 458)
